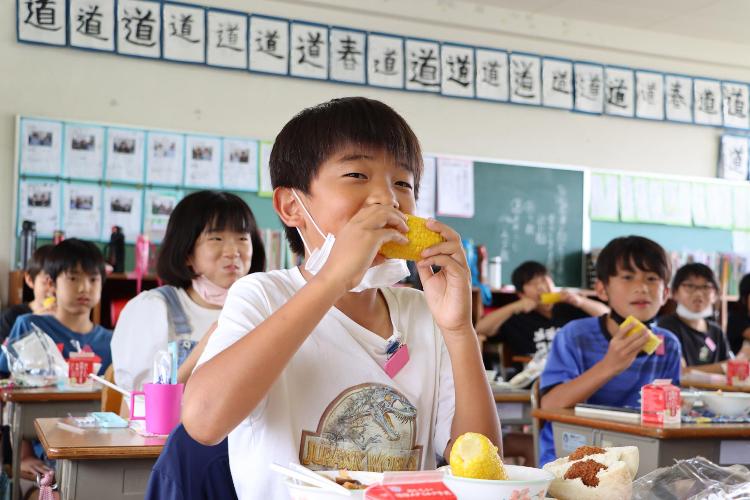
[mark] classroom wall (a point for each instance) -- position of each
(69, 84)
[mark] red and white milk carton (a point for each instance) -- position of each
(660, 403)
(420, 485)
(80, 364)
(738, 372)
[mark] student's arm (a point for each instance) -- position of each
(709, 368)
(142, 329)
(620, 355)
(187, 366)
(589, 306)
(490, 324)
(448, 294)
(229, 386)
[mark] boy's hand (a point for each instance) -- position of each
(448, 292)
(623, 350)
(571, 298)
(525, 305)
(359, 241)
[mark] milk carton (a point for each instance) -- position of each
(660, 403)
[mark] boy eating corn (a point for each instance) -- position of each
(327, 364)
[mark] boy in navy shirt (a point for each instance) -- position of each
(76, 268)
(593, 360)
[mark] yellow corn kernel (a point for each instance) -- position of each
(48, 302)
(550, 298)
(420, 238)
(653, 340)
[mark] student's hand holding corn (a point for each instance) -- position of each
(448, 292)
(524, 305)
(623, 348)
(359, 241)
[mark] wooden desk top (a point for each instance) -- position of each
(512, 396)
(692, 431)
(91, 444)
(713, 387)
(46, 394)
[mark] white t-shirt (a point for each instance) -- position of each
(333, 406)
(143, 329)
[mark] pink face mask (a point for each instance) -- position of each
(210, 291)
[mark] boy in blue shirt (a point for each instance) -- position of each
(76, 268)
(593, 360)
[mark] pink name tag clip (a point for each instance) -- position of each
(660, 351)
(711, 344)
(399, 359)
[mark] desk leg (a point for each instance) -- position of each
(15, 441)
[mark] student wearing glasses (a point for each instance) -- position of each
(704, 344)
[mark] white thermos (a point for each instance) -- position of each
(496, 272)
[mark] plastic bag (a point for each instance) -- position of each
(531, 372)
(694, 479)
(34, 359)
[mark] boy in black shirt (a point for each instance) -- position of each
(527, 325)
(704, 345)
(738, 326)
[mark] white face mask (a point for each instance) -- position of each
(386, 274)
(686, 313)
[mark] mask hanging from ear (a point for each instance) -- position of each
(383, 275)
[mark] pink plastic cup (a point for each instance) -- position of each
(163, 405)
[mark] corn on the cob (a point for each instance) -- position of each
(419, 237)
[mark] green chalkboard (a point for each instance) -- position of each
(528, 213)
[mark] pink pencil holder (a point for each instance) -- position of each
(163, 406)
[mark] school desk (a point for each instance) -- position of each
(513, 406)
(724, 444)
(25, 405)
(705, 386)
(96, 464)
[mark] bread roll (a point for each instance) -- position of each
(594, 473)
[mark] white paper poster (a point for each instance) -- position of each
(735, 105)
(649, 102)
(82, 211)
(698, 205)
(158, 205)
(642, 200)
(41, 147)
(707, 102)
(164, 158)
(268, 45)
(557, 83)
(240, 166)
(226, 39)
(525, 79)
(348, 55)
(627, 199)
(122, 207)
(733, 161)
(589, 88)
(309, 50)
(84, 151)
(125, 155)
(619, 88)
(139, 28)
(39, 201)
(385, 61)
(678, 98)
(422, 65)
(676, 206)
(92, 24)
(41, 21)
(184, 33)
(741, 207)
(203, 162)
(457, 70)
(455, 187)
(492, 75)
(605, 197)
(265, 187)
(719, 199)
(427, 188)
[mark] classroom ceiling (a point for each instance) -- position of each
(721, 20)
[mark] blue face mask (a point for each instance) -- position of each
(383, 275)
